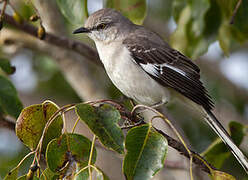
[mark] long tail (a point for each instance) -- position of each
(222, 133)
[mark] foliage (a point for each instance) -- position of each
(201, 22)
(72, 155)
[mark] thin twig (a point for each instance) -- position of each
(91, 155)
(25, 157)
(74, 126)
(235, 11)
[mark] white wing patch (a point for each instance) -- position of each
(174, 68)
(150, 68)
(157, 69)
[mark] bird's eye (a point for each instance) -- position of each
(101, 26)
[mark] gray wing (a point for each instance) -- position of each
(168, 67)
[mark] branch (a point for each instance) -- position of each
(60, 41)
(235, 11)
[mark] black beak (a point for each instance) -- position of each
(81, 30)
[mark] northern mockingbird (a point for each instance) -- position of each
(145, 68)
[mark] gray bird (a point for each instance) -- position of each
(145, 68)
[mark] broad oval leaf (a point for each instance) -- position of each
(135, 10)
(219, 175)
(12, 175)
(146, 152)
(103, 121)
(6, 66)
(74, 10)
(9, 101)
(31, 122)
(68, 149)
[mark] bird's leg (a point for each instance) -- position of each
(132, 102)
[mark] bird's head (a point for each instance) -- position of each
(105, 25)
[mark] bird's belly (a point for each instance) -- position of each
(136, 84)
(130, 78)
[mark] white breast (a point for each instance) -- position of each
(129, 77)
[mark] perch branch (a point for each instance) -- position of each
(60, 41)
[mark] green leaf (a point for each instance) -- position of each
(31, 122)
(68, 149)
(49, 175)
(135, 10)
(217, 152)
(6, 66)
(237, 132)
(75, 11)
(146, 152)
(218, 175)
(9, 101)
(103, 121)
(12, 175)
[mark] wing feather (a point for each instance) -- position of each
(169, 67)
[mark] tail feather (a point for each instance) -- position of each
(222, 133)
